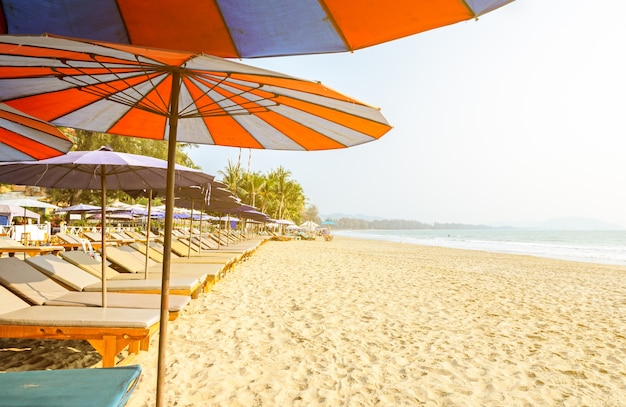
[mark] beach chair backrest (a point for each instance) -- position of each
(91, 265)
(122, 237)
(28, 282)
(153, 254)
(125, 260)
(93, 236)
(68, 238)
(6, 241)
(138, 255)
(10, 302)
(64, 272)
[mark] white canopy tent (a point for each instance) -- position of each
(8, 212)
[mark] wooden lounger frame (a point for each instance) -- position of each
(107, 341)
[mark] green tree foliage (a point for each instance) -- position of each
(274, 193)
(232, 177)
(312, 213)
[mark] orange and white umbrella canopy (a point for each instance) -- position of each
(23, 137)
(139, 92)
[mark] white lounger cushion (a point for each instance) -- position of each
(64, 272)
(120, 300)
(78, 279)
(10, 302)
(82, 317)
(93, 266)
(144, 285)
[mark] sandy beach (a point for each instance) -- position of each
(363, 323)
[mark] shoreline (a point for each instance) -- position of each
(362, 322)
(553, 244)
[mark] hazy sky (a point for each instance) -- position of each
(517, 117)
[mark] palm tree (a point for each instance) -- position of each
(254, 184)
(232, 176)
(294, 201)
(280, 180)
(275, 193)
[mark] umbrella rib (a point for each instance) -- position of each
(195, 101)
(100, 89)
(105, 90)
(241, 109)
(152, 84)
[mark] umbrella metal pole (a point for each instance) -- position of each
(190, 230)
(219, 232)
(167, 239)
(148, 234)
(201, 216)
(103, 195)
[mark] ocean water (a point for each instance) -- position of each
(605, 247)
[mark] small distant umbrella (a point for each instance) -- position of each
(309, 226)
(81, 209)
(328, 222)
(78, 208)
(122, 215)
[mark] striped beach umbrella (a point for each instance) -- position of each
(195, 98)
(240, 28)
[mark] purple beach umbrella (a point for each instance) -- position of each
(101, 169)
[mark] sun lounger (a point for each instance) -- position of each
(241, 250)
(182, 248)
(96, 239)
(69, 387)
(227, 260)
(77, 279)
(108, 330)
(121, 237)
(25, 279)
(138, 236)
(215, 267)
(68, 241)
(197, 245)
(156, 254)
(11, 247)
(133, 261)
(203, 242)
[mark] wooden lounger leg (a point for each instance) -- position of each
(144, 344)
(134, 347)
(108, 347)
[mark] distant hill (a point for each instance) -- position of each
(566, 223)
(349, 216)
(345, 221)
